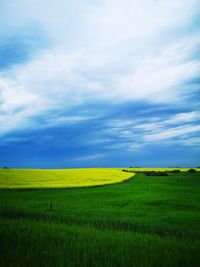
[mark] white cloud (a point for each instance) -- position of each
(119, 21)
(193, 141)
(66, 120)
(184, 117)
(90, 157)
(181, 128)
(105, 50)
(166, 134)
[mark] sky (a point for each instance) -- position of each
(99, 83)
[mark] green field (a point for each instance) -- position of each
(145, 221)
(136, 169)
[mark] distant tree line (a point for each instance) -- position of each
(159, 173)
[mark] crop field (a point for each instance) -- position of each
(138, 169)
(143, 221)
(33, 178)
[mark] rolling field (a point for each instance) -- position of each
(33, 178)
(145, 221)
(136, 169)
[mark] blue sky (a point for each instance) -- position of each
(99, 83)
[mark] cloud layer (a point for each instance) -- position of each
(65, 64)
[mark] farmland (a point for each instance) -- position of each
(144, 221)
(30, 178)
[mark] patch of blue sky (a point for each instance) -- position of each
(19, 45)
(70, 142)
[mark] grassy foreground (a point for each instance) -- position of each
(33, 178)
(147, 221)
(28, 243)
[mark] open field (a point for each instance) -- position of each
(138, 169)
(146, 221)
(46, 178)
(33, 178)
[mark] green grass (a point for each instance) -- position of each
(144, 221)
(27, 243)
(33, 178)
(160, 169)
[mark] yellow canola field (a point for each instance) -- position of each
(65, 178)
